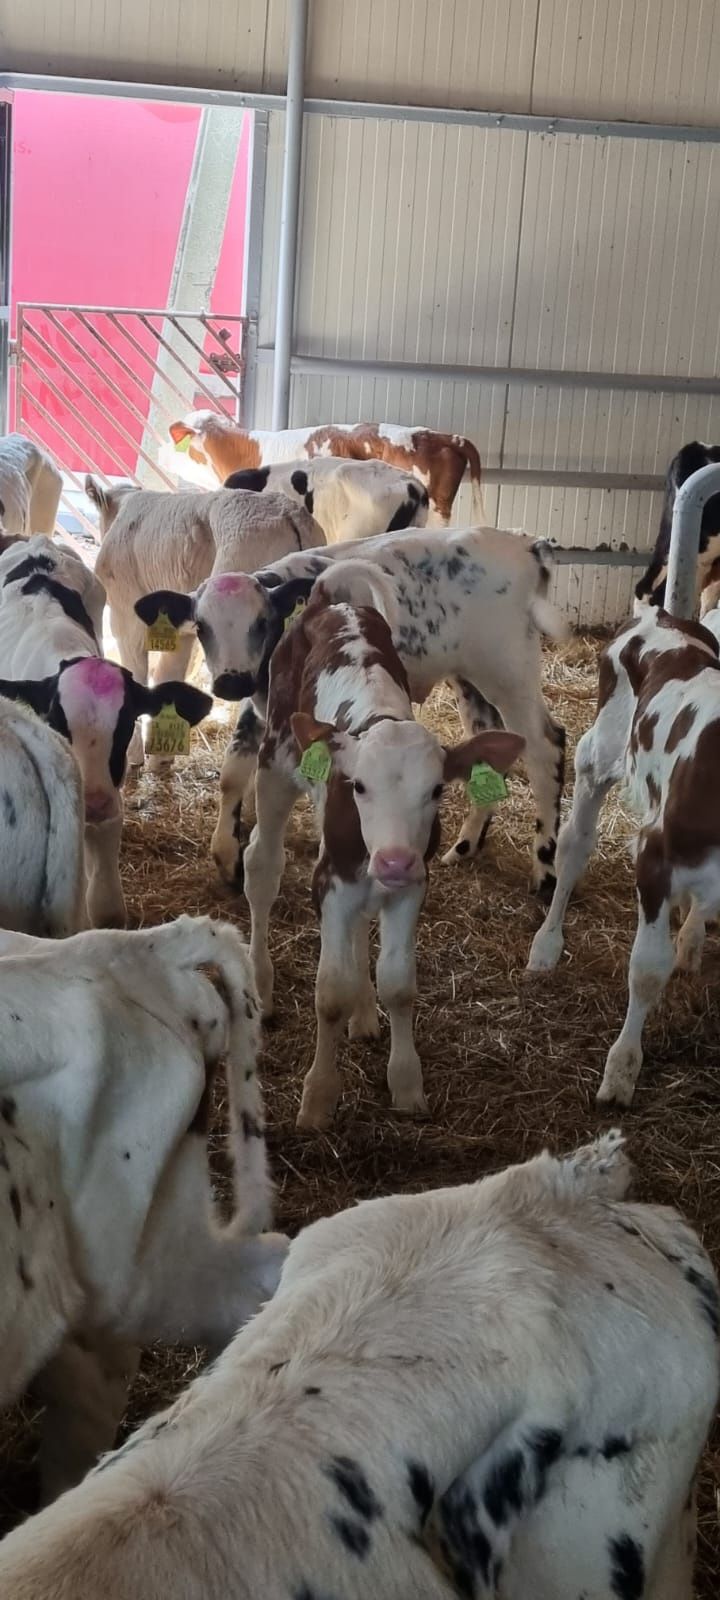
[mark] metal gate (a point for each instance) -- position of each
(98, 386)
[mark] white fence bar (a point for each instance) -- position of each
(681, 586)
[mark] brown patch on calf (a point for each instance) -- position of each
(652, 873)
(607, 680)
(693, 630)
(654, 791)
(646, 726)
(692, 815)
(681, 725)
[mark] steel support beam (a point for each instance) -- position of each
(252, 266)
(681, 585)
(289, 212)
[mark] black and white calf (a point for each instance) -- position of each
(42, 873)
(51, 612)
(498, 1392)
(349, 499)
(691, 458)
(472, 607)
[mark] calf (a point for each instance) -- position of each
(471, 604)
(42, 876)
(657, 725)
(179, 540)
(30, 486)
(474, 1391)
(51, 609)
(349, 499)
(438, 460)
(338, 688)
(651, 586)
(110, 1237)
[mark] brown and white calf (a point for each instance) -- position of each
(51, 612)
(439, 460)
(657, 726)
(471, 606)
(349, 499)
(337, 678)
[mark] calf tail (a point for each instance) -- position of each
(475, 469)
(547, 618)
(360, 583)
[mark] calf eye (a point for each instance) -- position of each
(358, 786)
(437, 791)
(201, 630)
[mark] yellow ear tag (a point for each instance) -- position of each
(485, 786)
(169, 734)
(316, 763)
(161, 634)
(294, 614)
(183, 445)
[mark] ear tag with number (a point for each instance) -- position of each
(485, 786)
(169, 734)
(183, 445)
(316, 764)
(161, 634)
(294, 614)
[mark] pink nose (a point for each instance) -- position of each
(395, 866)
(99, 805)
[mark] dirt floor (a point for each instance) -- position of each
(510, 1064)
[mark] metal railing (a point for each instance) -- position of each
(98, 386)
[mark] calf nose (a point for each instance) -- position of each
(396, 866)
(234, 685)
(99, 805)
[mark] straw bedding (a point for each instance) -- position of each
(510, 1063)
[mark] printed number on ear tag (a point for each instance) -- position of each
(294, 614)
(169, 734)
(161, 634)
(183, 445)
(316, 763)
(485, 786)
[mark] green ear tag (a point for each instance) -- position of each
(184, 444)
(485, 786)
(316, 763)
(161, 634)
(169, 734)
(294, 614)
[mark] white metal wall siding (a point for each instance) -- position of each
(653, 59)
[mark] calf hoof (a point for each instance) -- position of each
(411, 1105)
(308, 1121)
(228, 850)
(619, 1079)
(545, 952)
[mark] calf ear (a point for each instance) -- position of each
(179, 431)
(38, 693)
(178, 608)
(285, 597)
(496, 747)
(189, 702)
(307, 730)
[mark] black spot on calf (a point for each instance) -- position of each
(709, 1299)
(23, 1274)
(615, 1445)
(8, 1110)
(466, 1547)
(627, 1568)
(15, 1204)
(9, 811)
(422, 1489)
(503, 1492)
(354, 1536)
(350, 1479)
(299, 481)
(250, 1126)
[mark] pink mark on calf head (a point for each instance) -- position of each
(102, 678)
(232, 583)
(92, 690)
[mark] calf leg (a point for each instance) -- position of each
(544, 758)
(364, 1022)
(84, 1390)
(338, 990)
(264, 861)
(237, 794)
(476, 715)
(397, 988)
(105, 900)
(575, 846)
(690, 940)
(651, 963)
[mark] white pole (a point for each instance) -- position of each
(681, 583)
(287, 254)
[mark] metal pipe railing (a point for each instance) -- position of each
(290, 209)
(681, 584)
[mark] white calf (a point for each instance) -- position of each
(349, 499)
(472, 606)
(658, 725)
(338, 687)
(420, 1412)
(42, 878)
(109, 1234)
(51, 609)
(30, 486)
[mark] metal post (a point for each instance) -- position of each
(681, 584)
(287, 253)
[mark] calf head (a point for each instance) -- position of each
(238, 621)
(95, 705)
(397, 772)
